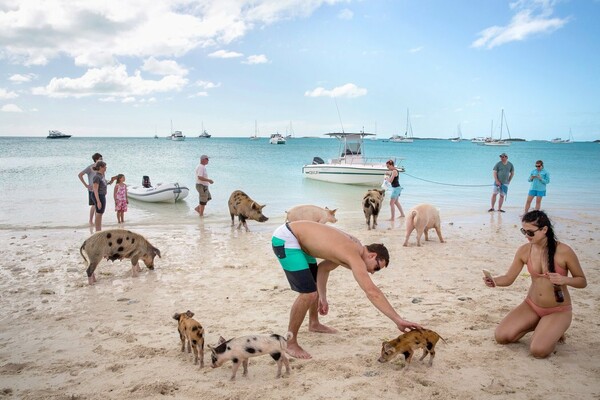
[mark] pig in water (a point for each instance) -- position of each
(242, 348)
(244, 207)
(421, 218)
(311, 213)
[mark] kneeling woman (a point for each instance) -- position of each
(547, 308)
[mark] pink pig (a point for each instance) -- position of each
(311, 213)
(423, 217)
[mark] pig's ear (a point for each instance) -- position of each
(189, 314)
(333, 211)
(387, 347)
(176, 316)
(221, 339)
(157, 252)
(261, 207)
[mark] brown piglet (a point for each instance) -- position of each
(191, 331)
(407, 343)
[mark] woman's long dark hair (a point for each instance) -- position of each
(540, 219)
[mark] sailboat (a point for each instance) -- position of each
(408, 134)
(500, 142)
(561, 141)
(459, 137)
(289, 134)
(204, 134)
(255, 136)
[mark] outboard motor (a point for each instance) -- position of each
(318, 160)
(146, 181)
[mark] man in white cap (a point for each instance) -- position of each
(202, 182)
(503, 173)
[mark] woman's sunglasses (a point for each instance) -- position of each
(528, 232)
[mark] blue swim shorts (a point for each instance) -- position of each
(537, 193)
(300, 268)
(396, 192)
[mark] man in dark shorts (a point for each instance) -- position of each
(296, 244)
(89, 171)
(202, 182)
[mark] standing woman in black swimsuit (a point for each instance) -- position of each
(393, 179)
(547, 309)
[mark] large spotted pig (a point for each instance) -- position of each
(244, 207)
(117, 244)
(422, 218)
(311, 213)
(240, 349)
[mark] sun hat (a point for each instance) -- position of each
(501, 155)
(203, 157)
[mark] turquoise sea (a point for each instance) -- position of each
(40, 188)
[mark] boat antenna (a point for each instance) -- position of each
(338, 111)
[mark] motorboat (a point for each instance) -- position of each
(351, 167)
(277, 138)
(177, 136)
(57, 135)
(160, 193)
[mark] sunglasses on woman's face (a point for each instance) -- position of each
(539, 166)
(529, 232)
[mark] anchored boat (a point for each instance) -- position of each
(351, 167)
(161, 193)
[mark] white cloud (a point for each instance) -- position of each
(532, 17)
(5, 94)
(346, 14)
(128, 100)
(415, 49)
(164, 67)
(207, 84)
(97, 33)
(225, 54)
(22, 78)
(256, 59)
(109, 81)
(11, 108)
(349, 90)
(199, 94)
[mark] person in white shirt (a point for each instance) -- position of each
(202, 182)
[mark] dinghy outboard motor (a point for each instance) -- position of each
(146, 181)
(318, 160)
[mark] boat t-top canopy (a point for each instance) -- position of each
(350, 143)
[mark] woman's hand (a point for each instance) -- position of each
(557, 279)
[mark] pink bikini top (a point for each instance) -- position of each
(557, 268)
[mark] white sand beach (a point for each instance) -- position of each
(63, 339)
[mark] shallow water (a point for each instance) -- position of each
(40, 188)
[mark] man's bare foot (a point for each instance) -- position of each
(391, 219)
(320, 328)
(402, 216)
(297, 352)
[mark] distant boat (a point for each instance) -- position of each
(255, 136)
(177, 136)
(289, 134)
(57, 135)
(499, 142)
(408, 134)
(459, 137)
(480, 140)
(277, 138)
(204, 134)
(561, 141)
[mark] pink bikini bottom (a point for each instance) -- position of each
(543, 311)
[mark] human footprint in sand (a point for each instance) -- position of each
(296, 244)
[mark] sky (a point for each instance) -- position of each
(132, 68)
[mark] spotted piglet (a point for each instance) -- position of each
(240, 349)
(191, 331)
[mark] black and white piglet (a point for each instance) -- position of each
(240, 349)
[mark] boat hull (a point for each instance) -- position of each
(346, 174)
(161, 193)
